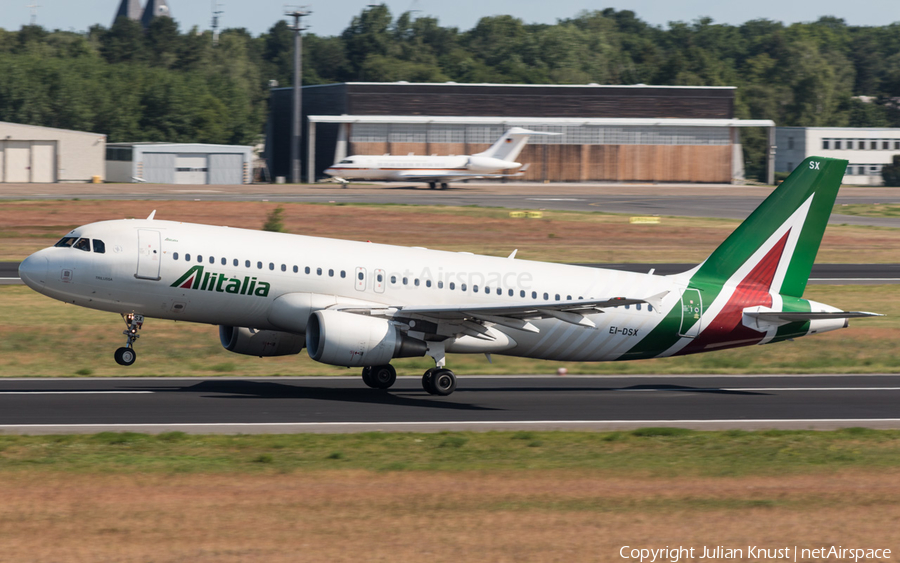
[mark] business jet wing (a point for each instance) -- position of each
(438, 176)
(515, 316)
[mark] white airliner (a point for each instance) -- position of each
(496, 162)
(360, 304)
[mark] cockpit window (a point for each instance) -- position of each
(66, 242)
(346, 161)
(99, 247)
(83, 244)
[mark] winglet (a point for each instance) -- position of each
(150, 218)
(513, 255)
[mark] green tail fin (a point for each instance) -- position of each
(783, 234)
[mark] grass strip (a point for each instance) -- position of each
(651, 452)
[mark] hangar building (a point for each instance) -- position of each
(167, 163)
(867, 149)
(29, 153)
(608, 133)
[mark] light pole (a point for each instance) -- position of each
(297, 13)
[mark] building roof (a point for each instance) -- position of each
(24, 126)
(546, 121)
(130, 9)
(155, 9)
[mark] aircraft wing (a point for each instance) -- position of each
(513, 316)
(437, 176)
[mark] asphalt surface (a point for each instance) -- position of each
(344, 404)
(855, 274)
(687, 200)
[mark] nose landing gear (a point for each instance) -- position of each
(126, 355)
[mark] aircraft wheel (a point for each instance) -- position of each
(443, 382)
(383, 377)
(125, 356)
(444, 186)
(432, 185)
(367, 376)
(427, 380)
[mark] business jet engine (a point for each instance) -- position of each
(252, 342)
(350, 340)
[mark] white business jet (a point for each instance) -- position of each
(359, 304)
(496, 162)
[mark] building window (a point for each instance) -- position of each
(886, 145)
(874, 145)
(862, 170)
(837, 145)
(897, 145)
(825, 144)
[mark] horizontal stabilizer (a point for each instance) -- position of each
(785, 316)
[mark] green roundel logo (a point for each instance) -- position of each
(197, 278)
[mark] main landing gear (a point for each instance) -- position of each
(126, 355)
(379, 377)
(434, 185)
(439, 381)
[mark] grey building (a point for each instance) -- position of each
(866, 149)
(168, 163)
(32, 154)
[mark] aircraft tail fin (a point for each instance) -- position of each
(511, 144)
(777, 244)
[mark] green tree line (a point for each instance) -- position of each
(166, 85)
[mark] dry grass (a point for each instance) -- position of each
(364, 516)
(27, 226)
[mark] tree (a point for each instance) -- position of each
(891, 172)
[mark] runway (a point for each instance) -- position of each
(684, 200)
(832, 274)
(344, 404)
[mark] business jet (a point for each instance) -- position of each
(358, 304)
(492, 163)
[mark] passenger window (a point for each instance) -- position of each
(296, 269)
(236, 262)
(259, 265)
(534, 294)
(284, 268)
(224, 261)
(440, 285)
(393, 278)
(628, 306)
(638, 306)
(500, 291)
(452, 286)
(199, 259)
(557, 297)
(568, 297)
(99, 247)
(318, 271)
(66, 242)
(546, 297)
(246, 263)
(306, 269)
(474, 289)
(522, 293)
(487, 290)
(360, 276)
(212, 260)
(405, 281)
(463, 288)
(271, 266)
(330, 273)
(649, 307)
(427, 283)
(343, 274)
(83, 244)
(187, 257)
(174, 256)
(416, 281)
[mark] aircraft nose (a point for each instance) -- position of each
(33, 271)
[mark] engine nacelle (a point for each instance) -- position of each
(350, 340)
(490, 165)
(252, 342)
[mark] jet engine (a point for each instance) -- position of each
(490, 165)
(252, 342)
(347, 339)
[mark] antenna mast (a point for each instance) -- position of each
(34, 8)
(216, 12)
(297, 13)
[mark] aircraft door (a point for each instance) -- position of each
(149, 254)
(691, 313)
(360, 279)
(379, 281)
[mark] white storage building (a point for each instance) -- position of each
(167, 163)
(867, 149)
(32, 154)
